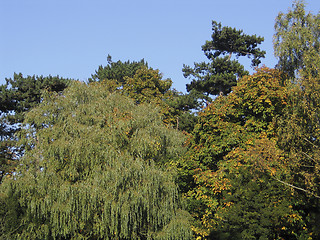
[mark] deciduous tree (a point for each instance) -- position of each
(95, 168)
(146, 85)
(217, 163)
(297, 39)
(17, 97)
(297, 46)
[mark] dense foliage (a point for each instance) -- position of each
(221, 73)
(297, 36)
(145, 85)
(95, 168)
(18, 96)
(125, 156)
(252, 169)
(217, 168)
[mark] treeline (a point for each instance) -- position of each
(126, 156)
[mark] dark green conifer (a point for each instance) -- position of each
(221, 73)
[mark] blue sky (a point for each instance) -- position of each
(71, 38)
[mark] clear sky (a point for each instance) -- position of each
(71, 38)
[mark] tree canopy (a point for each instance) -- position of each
(297, 39)
(126, 156)
(216, 161)
(252, 168)
(221, 73)
(94, 168)
(146, 85)
(117, 71)
(17, 97)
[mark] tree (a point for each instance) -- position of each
(225, 188)
(20, 94)
(95, 168)
(221, 73)
(17, 97)
(7, 157)
(117, 71)
(297, 39)
(146, 85)
(182, 110)
(297, 47)
(256, 204)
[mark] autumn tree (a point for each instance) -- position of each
(146, 85)
(95, 167)
(222, 72)
(229, 193)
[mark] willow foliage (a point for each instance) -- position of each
(95, 169)
(297, 39)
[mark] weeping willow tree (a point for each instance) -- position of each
(95, 168)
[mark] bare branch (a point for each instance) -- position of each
(295, 187)
(310, 158)
(311, 142)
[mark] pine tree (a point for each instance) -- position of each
(117, 71)
(221, 73)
